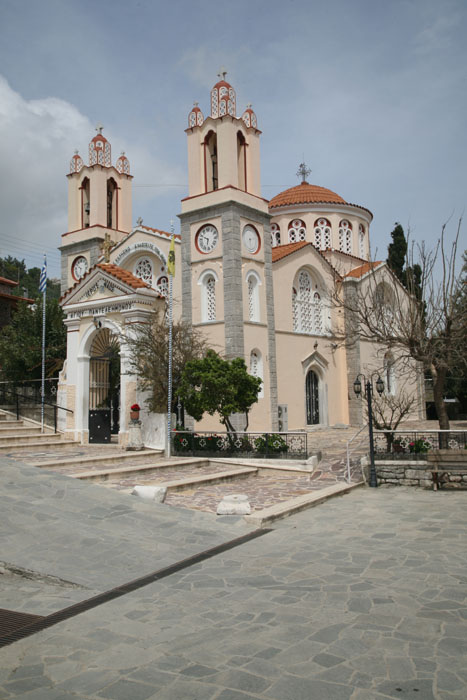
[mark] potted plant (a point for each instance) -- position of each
(134, 411)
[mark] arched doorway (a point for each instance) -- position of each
(312, 398)
(104, 387)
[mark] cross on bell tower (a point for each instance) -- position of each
(99, 127)
(222, 73)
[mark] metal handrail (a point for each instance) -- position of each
(32, 399)
(348, 449)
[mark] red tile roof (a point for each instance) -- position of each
(281, 251)
(11, 283)
(177, 236)
(117, 272)
(358, 272)
(305, 194)
(123, 275)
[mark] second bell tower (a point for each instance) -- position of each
(99, 208)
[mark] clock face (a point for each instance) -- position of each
(251, 239)
(79, 267)
(206, 239)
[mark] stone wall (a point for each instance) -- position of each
(419, 473)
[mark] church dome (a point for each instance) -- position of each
(305, 193)
(195, 118)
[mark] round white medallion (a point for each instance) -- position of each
(79, 267)
(206, 239)
(250, 239)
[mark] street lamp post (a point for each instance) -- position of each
(357, 385)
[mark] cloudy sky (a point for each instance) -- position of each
(371, 93)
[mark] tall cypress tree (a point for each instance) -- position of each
(397, 251)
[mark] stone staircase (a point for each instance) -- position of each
(25, 434)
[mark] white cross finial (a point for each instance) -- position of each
(76, 152)
(195, 104)
(99, 127)
(249, 105)
(303, 171)
(222, 73)
(139, 221)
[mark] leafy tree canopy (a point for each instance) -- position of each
(28, 280)
(149, 357)
(397, 251)
(213, 385)
(21, 342)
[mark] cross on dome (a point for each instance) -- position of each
(222, 73)
(99, 127)
(303, 172)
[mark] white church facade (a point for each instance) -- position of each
(257, 277)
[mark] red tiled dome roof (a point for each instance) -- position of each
(305, 194)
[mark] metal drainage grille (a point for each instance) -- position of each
(36, 623)
(11, 621)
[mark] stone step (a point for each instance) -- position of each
(137, 469)
(112, 458)
(295, 505)
(17, 427)
(7, 422)
(26, 438)
(4, 447)
(447, 456)
(216, 478)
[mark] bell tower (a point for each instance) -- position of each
(226, 247)
(99, 207)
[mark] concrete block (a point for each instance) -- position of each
(234, 504)
(155, 494)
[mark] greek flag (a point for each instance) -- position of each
(43, 277)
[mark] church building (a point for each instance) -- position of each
(257, 277)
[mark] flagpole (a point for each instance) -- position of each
(171, 271)
(43, 289)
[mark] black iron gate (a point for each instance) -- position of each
(312, 398)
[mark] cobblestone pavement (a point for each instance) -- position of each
(361, 598)
(263, 490)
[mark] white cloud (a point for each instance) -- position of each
(37, 139)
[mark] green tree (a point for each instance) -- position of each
(28, 279)
(214, 385)
(397, 251)
(149, 357)
(21, 342)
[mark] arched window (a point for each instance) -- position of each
(361, 240)
(389, 373)
(111, 203)
(86, 202)
(256, 368)
(241, 161)
(317, 314)
(210, 162)
(162, 285)
(322, 234)
(275, 235)
(143, 270)
(253, 283)
(207, 281)
(297, 231)
(307, 306)
(345, 236)
(383, 306)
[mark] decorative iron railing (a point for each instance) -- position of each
(399, 444)
(240, 444)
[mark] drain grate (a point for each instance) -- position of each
(37, 623)
(11, 621)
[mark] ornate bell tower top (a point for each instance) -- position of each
(223, 98)
(223, 149)
(99, 149)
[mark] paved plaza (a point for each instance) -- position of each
(360, 598)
